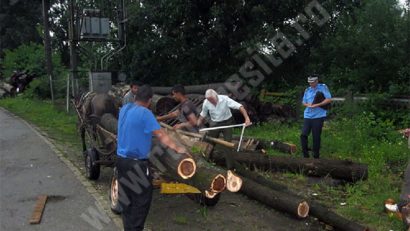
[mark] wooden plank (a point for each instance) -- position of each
(38, 209)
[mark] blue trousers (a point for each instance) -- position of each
(314, 125)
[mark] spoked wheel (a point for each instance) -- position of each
(201, 199)
(92, 169)
(114, 199)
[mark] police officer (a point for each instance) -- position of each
(316, 99)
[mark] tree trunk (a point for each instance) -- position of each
(208, 178)
(161, 105)
(275, 199)
(316, 209)
(178, 166)
(281, 146)
(339, 169)
(192, 89)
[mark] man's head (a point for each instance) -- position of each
(178, 92)
(313, 80)
(144, 95)
(211, 96)
(134, 87)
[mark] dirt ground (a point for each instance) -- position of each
(234, 211)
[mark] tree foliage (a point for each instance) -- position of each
(369, 50)
(19, 20)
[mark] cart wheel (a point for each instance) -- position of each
(92, 169)
(115, 205)
(201, 199)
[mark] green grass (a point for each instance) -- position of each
(59, 125)
(362, 138)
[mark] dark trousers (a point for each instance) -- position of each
(227, 133)
(135, 192)
(314, 125)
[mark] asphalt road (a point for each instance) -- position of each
(29, 168)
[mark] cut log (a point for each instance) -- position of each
(315, 209)
(234, 182)
(208, 178)
(339, 169)
(192, 89)
(161, 105)
(178, 166)
(282, 146)
(275, 199)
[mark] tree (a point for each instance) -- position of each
(368, 52)
(19, 20)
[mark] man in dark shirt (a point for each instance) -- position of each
(187, 110)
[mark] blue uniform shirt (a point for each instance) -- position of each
(135, 126)
(309, 96)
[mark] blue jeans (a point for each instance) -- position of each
(314, 125)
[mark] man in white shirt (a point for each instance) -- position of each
(218, 108)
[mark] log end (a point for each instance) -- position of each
(303, 209)
(292, 148)
(186, 168)
(233, 182)
(210, 194)
(218, 183)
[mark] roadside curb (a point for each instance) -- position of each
(101, 204)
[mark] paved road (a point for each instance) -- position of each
(28, 168)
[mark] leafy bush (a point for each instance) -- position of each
(31, 58)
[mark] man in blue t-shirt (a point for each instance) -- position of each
(316, 100)
(136, 125)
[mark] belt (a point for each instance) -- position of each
(132, 158)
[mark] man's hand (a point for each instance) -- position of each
(177, 126)
(181, 150)
(247, 122)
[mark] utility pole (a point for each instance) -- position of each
(73, 44)
(47, 46)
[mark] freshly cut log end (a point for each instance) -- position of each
(186, 168)
(218, 183)
(233, 182)
(303, 209)
(210, 194)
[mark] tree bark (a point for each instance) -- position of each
(161, 105)
(316, 209)
(192, 89)
(281, 146)
(178, 166)
(339, 169)
(208, 178)
(275, 199)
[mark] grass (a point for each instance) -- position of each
(57, 124)
(362, 138)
